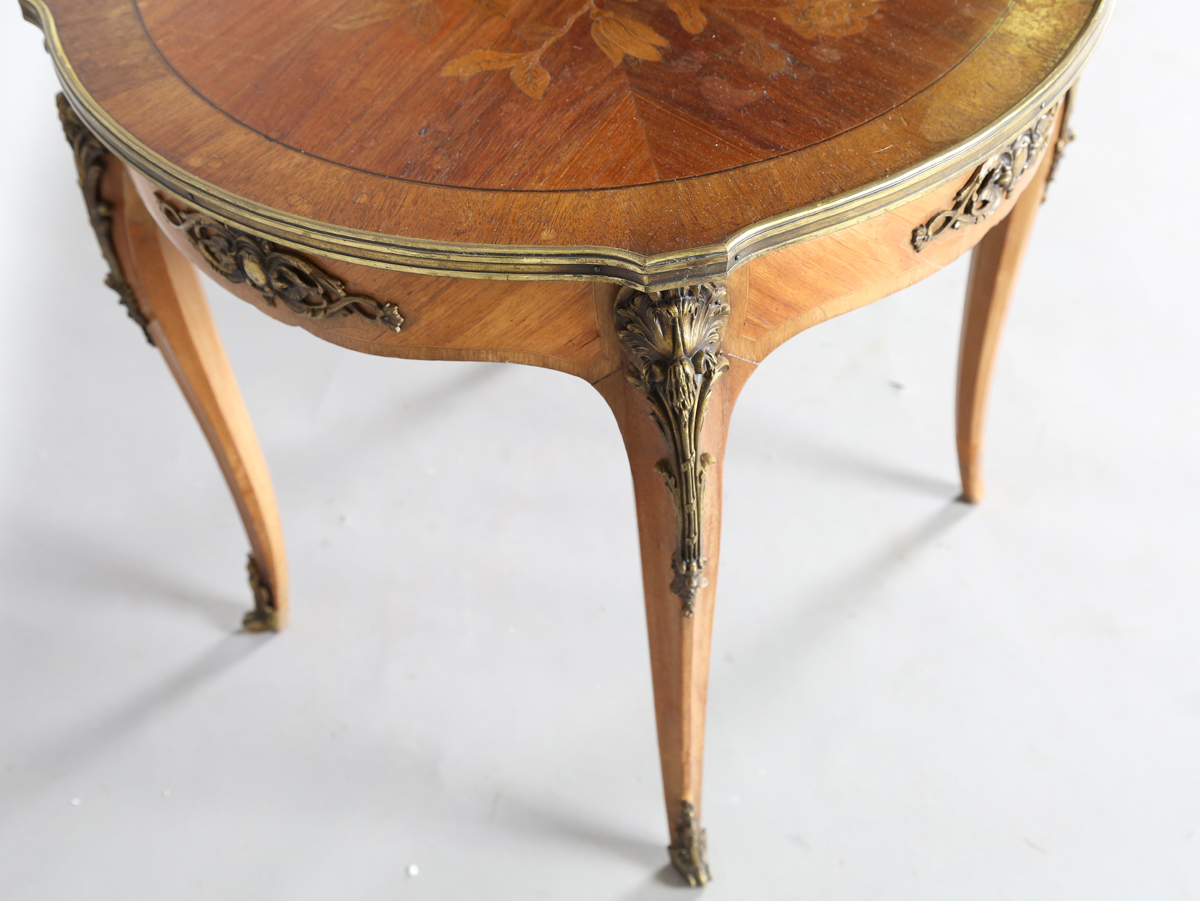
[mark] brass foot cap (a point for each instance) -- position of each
(261, 621)
(265, 615)
(689, 850)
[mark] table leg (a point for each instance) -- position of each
(995, 262)
(673, 406)
(161, 291)
(182, 327)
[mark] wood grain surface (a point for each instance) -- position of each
(316, 109)
(560, 324)
(168, 291)
(525, 96)
(995, 264)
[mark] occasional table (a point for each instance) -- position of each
(648, 194)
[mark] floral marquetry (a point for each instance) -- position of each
(623, 35)
(496, 93)
(510, 123)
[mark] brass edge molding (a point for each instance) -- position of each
(689, 848)
(991, 183)
(265, 615)
(673, 339)
(512, 262)
(89, 163)
(305, 288)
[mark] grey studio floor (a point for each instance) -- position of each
(911, 698)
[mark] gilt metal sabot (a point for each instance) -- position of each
(689, 848)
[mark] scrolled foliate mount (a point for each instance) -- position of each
(990, 184)
(673, 339)
(243, 258)
(90, 163)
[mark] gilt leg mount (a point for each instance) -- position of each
(689, 848)
(673, 339)
(265, 615)
(89, 162)
(1066, 135)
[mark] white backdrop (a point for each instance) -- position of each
(911, 699)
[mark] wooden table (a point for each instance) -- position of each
(650, 195)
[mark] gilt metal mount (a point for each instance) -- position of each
(991, 184)
(265, 615)
(89, 162)
(689, 848)
(673, 339)
(1066, 135)
(242, 258)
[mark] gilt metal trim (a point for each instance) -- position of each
(243, 258)
(1066, 135)
(265, 615)
(673, 339)
(89, 162)
(991, 184)
(538, 262)
(689, 848)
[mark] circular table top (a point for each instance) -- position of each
(638, 139)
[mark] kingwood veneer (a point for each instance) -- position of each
(648, 194)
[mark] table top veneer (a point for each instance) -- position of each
(647, 142)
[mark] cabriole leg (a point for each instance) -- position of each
(995, 263)
(161, 292)
(673, 404)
